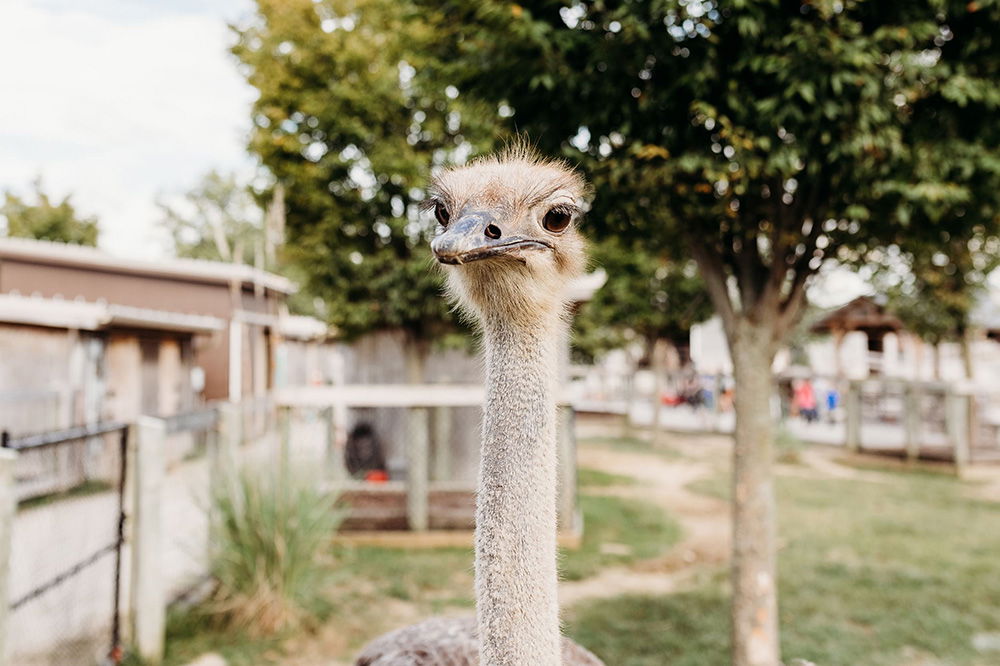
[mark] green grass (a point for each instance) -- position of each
(440, 574)
(89, 487)
(630, 444)
(871, 574)
(688, 629)
(269, 535)
(595, 477)
(191, 633)
(434, 580)
(635, 529)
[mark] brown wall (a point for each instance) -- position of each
(171, 294)
(34, 378)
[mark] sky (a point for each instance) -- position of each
(120, 102)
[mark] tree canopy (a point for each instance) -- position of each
(351, 122)
(46, 219)
(763, 138)
(934, 288)
(767, 137)
(647, 298)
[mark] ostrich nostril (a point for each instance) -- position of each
(492, 231)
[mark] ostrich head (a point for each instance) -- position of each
(508, 236)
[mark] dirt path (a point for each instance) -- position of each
(663, 482)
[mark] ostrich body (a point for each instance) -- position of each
(510, 247)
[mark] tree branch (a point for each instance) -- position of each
(713, 272)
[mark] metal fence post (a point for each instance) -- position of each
(8, 509)
(148, 598)
(417, 468)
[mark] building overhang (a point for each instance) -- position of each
(99, 316)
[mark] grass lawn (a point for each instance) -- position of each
(587, 477)
(628, 444)
(871, 574)
(635, 530)
(88, 487)
(365, 580)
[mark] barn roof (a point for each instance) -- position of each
(66, 254)
(864, 313)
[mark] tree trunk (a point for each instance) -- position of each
(937, 361)
(966, 342)
(755, 595)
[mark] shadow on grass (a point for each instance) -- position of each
(597, 478)
(688, 629)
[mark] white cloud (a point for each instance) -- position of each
(117, 106)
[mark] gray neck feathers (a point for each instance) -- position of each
(516, 577)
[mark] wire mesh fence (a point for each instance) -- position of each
(192, 442)
(67, 547)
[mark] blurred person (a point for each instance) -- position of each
(804, 400)
(364, 455)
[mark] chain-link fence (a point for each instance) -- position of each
(66, 550)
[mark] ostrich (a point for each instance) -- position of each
(510, 248)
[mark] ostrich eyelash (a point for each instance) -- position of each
(430, 204)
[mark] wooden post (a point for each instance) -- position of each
(284, 442)
(148, 597)
(334, 459)
(657, 355)
(911, 420)
(854, 416)
(629, 395)
(8, 511)
(566, 434)
(442, 444)
(418, 432)
(957, 415)
(717, 402)
(227, 440)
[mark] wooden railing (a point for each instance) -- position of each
(424, 435)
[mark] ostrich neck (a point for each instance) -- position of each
(516, 577)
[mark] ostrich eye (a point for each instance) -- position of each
(442, 214)
(556, 220)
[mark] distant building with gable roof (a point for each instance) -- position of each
(96, 336)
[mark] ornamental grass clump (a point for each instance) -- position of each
(269, 541)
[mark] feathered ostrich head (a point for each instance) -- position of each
(508, 236)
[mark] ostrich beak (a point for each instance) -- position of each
(476, 235)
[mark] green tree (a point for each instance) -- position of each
(934, 288)
(351, 120)
(217, 220)
(45, 219)
(647, 297)
(763, 138)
